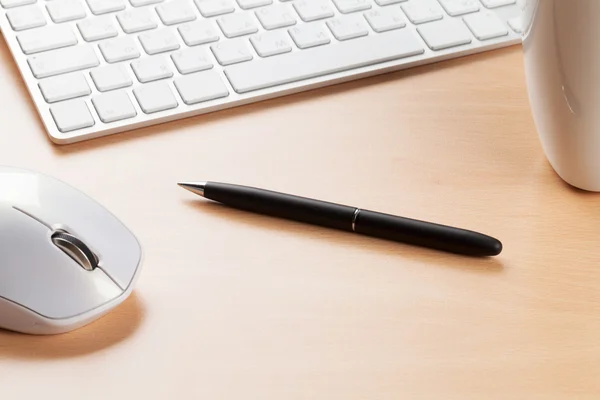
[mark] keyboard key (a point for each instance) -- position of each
(444, 34)
(120, 49)
(48, 38)
(237, 24)
(348, 6)
(202, 86)
(64, 87)
(105, 6)
(140, 3)
(486, 26)
(348, 27)
(97, 28)
(271, 43)
(274, 17)
(15, 3)
(151, 69)
(320, 61)
(212, 8)
(311, 10)
(159, 41)
(114, 106)
(27, 17)
(191, 60)
(248, 4)
(497, 3)
(309, 35)
(65, 10)
(231, 51)
(136, 20)
(460, 7)
(175, 12)
(155, 97)
(385, 21)
(111, 77)
(516, 24)
(388, 2)
(421, 11)
(71, 115)
(62, 61)
(198, 32)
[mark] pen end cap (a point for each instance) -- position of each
(495, 248)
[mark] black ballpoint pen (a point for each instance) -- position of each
(316, 212)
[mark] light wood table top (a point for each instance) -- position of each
(232, 305)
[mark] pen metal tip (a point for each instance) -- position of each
(197, 187)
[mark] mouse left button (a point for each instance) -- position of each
(37, 275)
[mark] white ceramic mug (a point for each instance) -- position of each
(561, 43)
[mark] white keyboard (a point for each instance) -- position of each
(98, 67)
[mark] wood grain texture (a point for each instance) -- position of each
(238, 306)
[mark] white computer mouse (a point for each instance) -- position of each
(64, 259)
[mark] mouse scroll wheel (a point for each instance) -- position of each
(75, 249)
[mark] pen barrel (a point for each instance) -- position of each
(282, 205)
(426, 234)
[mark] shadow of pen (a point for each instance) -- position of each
(348, 239)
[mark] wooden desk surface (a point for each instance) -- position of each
(237, 306)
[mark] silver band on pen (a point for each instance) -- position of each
(354, 218)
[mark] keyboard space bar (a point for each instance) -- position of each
(323, 60)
